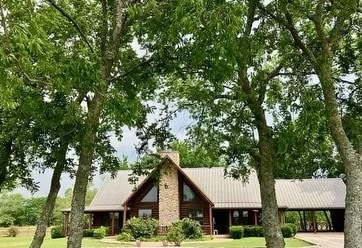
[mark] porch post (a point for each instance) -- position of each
(255, 217)
(112, 231)
(230, 221)
(211, 221)
(90, 220)
(124, 214)
(314, 222)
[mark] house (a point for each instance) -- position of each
(205, 195)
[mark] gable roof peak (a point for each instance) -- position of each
(172, 155)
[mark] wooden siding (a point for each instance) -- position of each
(136, 203)
(201, 203)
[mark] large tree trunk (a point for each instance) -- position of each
(87, 145)
(270, 220)
(48, 207)
(351, 159)
(5, 154)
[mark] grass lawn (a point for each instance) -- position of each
(24, 242)
(244, 242)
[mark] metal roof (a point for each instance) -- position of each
(113, 192)
(226, 192)
(322, 193)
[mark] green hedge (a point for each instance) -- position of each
(126, 237)
(236, 232)
(57, 232)
(100, 233)
(253, 231)
(140, 228)
(287, 231)
(88, 232)
(293, 226)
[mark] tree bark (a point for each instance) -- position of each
(269, 216)
(87, 145)
(322, 62)
(5, 154)
(350, 158)
(109, 48)
(48, 207)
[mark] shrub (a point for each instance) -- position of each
(293, 226)
(176, 234)
(141, 228)
(57, 232)
(88, 232)
(100, 233)
(236, 232)
(287, 231)
(124, 236)
(13, 231)
(191, 228)
(253, 231)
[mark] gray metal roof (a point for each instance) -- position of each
(230, 193)
(113, 192)
(323, 193)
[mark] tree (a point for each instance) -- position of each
(325, 33)
(215, 49)
(99, 88)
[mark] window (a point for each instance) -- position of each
(145, 213)
(197, 214)
(189, 194)
(151, 196)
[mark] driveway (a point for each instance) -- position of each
(324, 240)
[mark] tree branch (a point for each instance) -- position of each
(297, 39)
(141, 64)
(75, 24)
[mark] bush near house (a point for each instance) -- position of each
(126, 237)
(100, 233)
(253, 231)
(57, 232)
(191, 228)
(88, 232)
(293, 226)
(236, 232)
(287, 231)
(176, 234)
(140, 228)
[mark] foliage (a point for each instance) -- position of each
(293, 226)
(191, 228)
(176, 234)
(88, 232)
(57, 232)
(100, 233)
(141, 228)
(236, 232)
(253, 231)
(17, 210)
(13, 231)
(124, 236)
(287, 231)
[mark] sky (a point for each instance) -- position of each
(124, 148)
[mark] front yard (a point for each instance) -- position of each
(23, 241)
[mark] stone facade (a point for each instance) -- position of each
(169, 203)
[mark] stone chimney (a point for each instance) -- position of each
(173, 155)
(169, 204)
